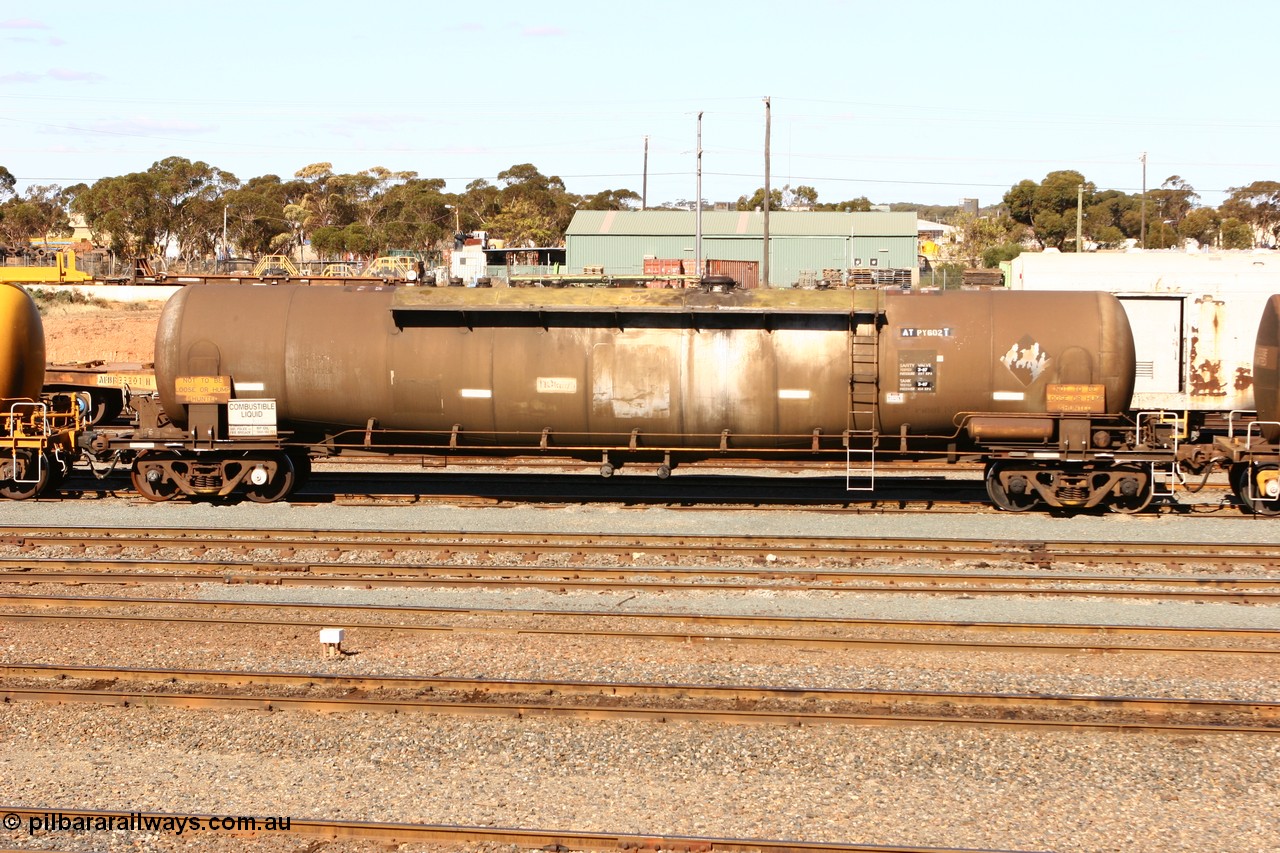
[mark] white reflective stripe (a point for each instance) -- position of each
(793, 393)
(1008, 395)
(476, 393)
(251, 386)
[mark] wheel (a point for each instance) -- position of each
(104, 405)
(1019, 498)
(1238, 478)
(1136, 502)
(606, 470)
(149, 480)
(664, 471)
(301, 466)
(59, 468)
(1258, 488)
(22, 465)
(274, 489)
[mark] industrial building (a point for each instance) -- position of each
(869, 249)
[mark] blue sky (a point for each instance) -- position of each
(893, 101)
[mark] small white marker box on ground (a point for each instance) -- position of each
(332, 639)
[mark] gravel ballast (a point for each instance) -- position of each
(906, 785)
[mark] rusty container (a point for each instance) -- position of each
(1266, 369)
(602, 366)
(745, 273)
(663, 266)
(21, 345)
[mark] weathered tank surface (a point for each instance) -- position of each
(944, 355)
(1266, 369)
(21, 345)
(679, 368)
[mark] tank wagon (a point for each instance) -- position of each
(255, 382)
(38, 433)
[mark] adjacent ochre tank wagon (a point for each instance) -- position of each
(22, 347)
(665, 376)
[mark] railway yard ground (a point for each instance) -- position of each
(101, 329)
(897, 717)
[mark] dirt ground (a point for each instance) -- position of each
(123, 331)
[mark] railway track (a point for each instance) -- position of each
(521, 838)
(1101, 638)
(633, 547)
(79, 571)
(662, 702)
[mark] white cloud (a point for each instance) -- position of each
(23, 24)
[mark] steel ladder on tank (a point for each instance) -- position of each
(864, 402)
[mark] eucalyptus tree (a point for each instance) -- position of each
(610, 200)
(1049, 207)
(534, 209)
(416, 214)
(1203, 224)
(174, 204)
(1113, 216)
(1258, 206)
(38, 213)
(255, 213)
(189, 206)
(121, 213)
(1171, 202)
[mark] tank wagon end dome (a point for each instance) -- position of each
(1266, 368)
(22, 348)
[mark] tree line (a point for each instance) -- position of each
(1045, 214)
(183, 208)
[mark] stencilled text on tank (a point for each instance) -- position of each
(917, 371)
(1025, 360)
(914, 332)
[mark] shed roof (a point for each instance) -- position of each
(722, 223)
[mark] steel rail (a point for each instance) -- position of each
(588, 712)
(285, 573)
(808, 642)
(543, 839)
(854, 548)
(1269, 711)
(1207, 592)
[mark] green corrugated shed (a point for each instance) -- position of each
(619, 241)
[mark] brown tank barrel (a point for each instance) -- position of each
(591, 364)
(999, 352)
(1266, 368)
(21, 345)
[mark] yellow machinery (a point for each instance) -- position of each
(275, 266)
(62, 271)
(398, 267)
(38, 434)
